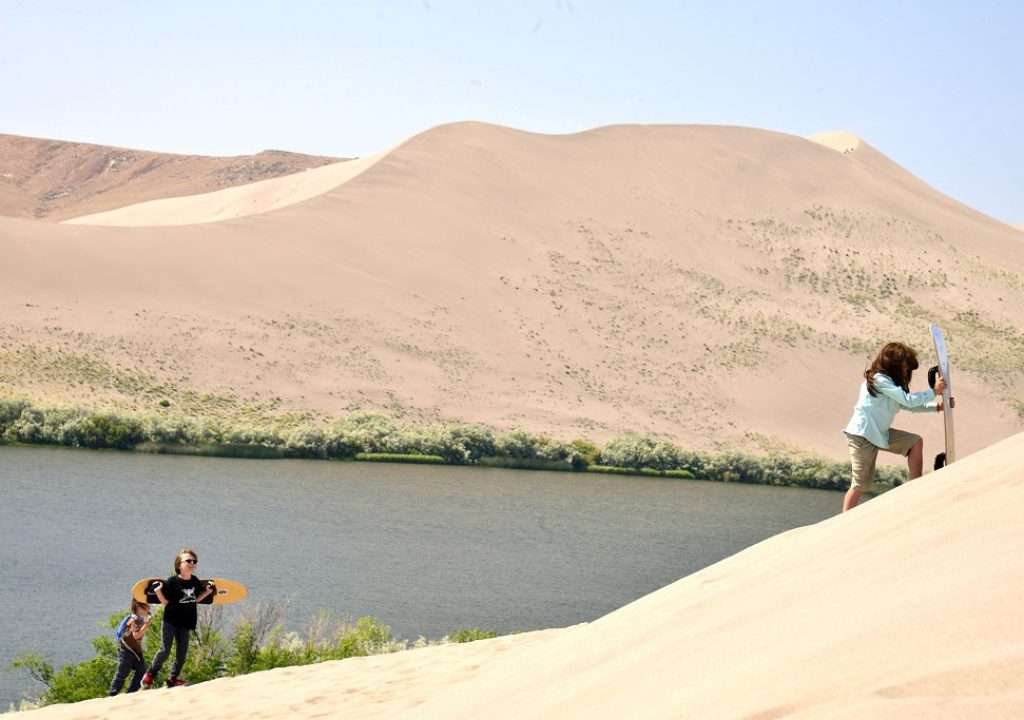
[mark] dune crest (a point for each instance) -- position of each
(253, 199)
(907, 607)
(840, 141)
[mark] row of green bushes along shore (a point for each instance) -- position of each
(373, 437)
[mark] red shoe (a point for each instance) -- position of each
(147, 681)
(176, 682)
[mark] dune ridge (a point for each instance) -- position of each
(245, 200)
(907, 607)
(838, 140)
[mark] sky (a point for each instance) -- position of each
(938, 86)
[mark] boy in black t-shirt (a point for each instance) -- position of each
(179, 595)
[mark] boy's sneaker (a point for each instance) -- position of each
(147, 681)
(176, 682)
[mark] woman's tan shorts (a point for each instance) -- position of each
(863, 454)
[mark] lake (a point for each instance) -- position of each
(426, 549)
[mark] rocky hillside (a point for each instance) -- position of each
(56, 180)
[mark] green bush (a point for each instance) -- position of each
(638, 451)
(587, 453)
(306, 442)
(256, 642)
(466, 635)
(365, 432)
(10, 410)
(516, 444)
(110, 431)
(457, 443)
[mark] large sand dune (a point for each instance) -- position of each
(720, 286)
(907, 607)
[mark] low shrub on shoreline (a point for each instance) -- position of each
(413, 458)
(376, 438)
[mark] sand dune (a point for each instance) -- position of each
(55, 179)
(907, 607)
(251, 199)
(722, 287)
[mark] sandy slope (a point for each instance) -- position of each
(251, 199)
(908, 607)
(720, 286)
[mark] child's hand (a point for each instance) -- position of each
(940, 385)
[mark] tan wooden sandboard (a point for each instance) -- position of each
(228, 591)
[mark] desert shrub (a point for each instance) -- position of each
(252, 435)
(52, 425)
(516, 444)
(10, 410)
(365, 432)
(457, 443)
(556, 450)
(587, 453)
(110, 431)
(887, 474)
(638, 451)
(306, 442)
(734, 467)
(171, 429)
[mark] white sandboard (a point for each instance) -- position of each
(947, 408)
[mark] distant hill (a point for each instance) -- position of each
(722, 287)
(56, 180)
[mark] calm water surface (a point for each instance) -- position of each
(426, 549)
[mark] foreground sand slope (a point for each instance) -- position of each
(908, 607)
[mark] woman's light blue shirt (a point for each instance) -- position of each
(873, 416)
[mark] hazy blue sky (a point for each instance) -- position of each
(937, 86)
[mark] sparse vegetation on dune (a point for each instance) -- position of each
(376, 438)
(609, 326)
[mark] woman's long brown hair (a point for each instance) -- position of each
(896, 360)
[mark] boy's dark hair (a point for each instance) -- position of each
(896, 360)
(186, 551)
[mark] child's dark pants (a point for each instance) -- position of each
(179, 636)
(127, 661)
